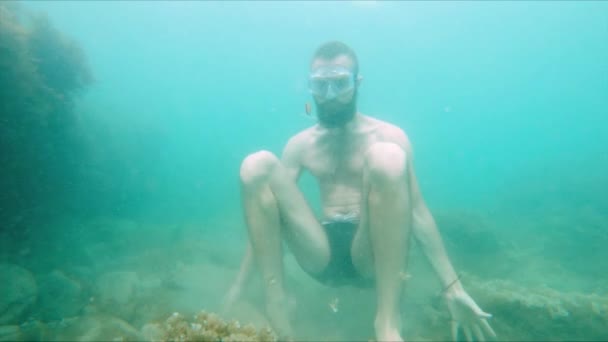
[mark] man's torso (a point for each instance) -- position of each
(336, 159)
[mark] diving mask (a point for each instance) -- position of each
(331, 82)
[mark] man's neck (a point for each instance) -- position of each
(346, 129)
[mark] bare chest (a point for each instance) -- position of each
(339, 161)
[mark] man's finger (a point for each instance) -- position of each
(455, 331)
(486, 326)
(467, 333)
(478, 333)
(482, 314)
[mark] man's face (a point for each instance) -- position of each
(334, 89)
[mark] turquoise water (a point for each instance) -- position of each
(506, 104)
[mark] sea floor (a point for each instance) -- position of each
(110, 278)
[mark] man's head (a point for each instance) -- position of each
(333, 82)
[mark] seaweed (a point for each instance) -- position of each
(210, 327)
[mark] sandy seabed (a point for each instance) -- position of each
(109, 278)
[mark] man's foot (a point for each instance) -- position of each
(388, 330)
(391, 335)
(280, 311)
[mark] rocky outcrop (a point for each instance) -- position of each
(19, 290)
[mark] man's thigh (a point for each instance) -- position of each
(309, 246)
(301, 230)
(361, 250)
(380, 169)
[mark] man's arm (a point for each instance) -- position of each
(292, 154)
(428, 237)
(466, 314)
(423, 225)
(234, 293)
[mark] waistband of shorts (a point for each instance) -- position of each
(351, 217)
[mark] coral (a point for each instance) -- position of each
(210, 327)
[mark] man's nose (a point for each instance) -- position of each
(331, 93)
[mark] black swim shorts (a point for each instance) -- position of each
(340, 270)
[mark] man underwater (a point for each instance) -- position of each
(371, 206)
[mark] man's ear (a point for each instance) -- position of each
(359, 80)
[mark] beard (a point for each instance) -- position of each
(333, 113)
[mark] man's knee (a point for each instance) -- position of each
(386, 162)
(257, 166)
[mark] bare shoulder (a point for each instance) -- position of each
(298, 143)
(301, 139)
(388, 132)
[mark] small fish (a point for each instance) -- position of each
(333, 304)
(404, 276)
(307, 108)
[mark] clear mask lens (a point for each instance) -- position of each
(329, 83)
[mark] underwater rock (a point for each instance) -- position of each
(19, 291)
(10, 333)
(472, 242)
(541, 313)
(29, 331)
(149, 285)
(519, 313)
(116, 293)
(93, 328)
(59, 296)
(206, 327)
(194, 285)
(464, 230)
(152, 332)
(117, 287)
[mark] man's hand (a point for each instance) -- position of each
(466, 314)
(236, 289)
(233, 295)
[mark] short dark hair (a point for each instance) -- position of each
(333, 49)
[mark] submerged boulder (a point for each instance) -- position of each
(19, 291)
(541, 313)
(93, 328)
(472, 242)
(117, 293)
(60, 296)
